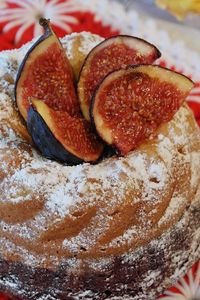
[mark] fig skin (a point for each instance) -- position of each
(61, 137)
(127, 40)
(183, 86)
(45, 141)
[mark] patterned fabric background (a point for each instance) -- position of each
(19, 24)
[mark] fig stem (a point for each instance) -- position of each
(45, 23)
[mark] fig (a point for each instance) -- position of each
(130, 104)
(112, 54)
(46, 73)
(62, 137)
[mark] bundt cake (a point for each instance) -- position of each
(123, 228)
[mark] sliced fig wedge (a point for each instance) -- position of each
(110, 55)
(45, 73)
(62, 137)
(130, 104)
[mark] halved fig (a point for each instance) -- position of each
(45, 73)
(130, 104)
(62, 137)
(112, 54)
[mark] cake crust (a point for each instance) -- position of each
(126, 227)
(140, 275)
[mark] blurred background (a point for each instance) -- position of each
(181, 18)
(19, 18)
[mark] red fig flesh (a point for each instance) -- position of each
(130, 104)
(45, 73)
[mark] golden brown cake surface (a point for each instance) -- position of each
(50, 212)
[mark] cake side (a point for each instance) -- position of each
(140, 275)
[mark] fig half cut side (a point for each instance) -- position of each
(112, 54)
(129, 105)
(45, 73)
(62, 137)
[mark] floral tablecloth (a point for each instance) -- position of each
(19, 24)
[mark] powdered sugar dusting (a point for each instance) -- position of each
(63, 195)
(88, 42)
(176, 202)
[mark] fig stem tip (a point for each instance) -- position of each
(44, 22)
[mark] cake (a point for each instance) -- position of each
(124, 228)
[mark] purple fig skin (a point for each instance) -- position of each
(48, 145)
(45, 141)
